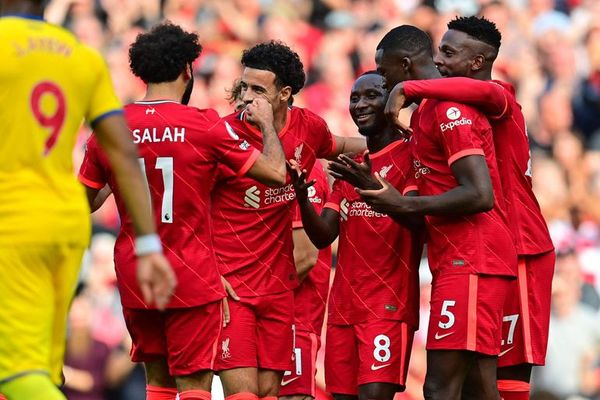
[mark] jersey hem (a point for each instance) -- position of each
(89, 182)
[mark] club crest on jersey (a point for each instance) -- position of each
(252, 197)
(225, 353)
(384, 170)
(298, 153)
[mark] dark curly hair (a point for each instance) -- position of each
(279, 59)
(479, 28)
(161, 54)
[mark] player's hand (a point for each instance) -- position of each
(298, 177)
(358, 175)
(260, 113)
(386, 200)
(230, 293)
(396, 102)
(156, 279)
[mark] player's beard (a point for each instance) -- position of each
(185, 99)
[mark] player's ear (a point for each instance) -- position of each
(406, 64)
(477, 62)
(285, 93)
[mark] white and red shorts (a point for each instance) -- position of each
(300, 380)
(369, 352)
(466, 312)
(260, 333)
(527, 312)
(185, 337)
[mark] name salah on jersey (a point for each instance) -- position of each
(155, 135)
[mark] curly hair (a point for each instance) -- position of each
(279, 59)
(479, 28)
(163, 53)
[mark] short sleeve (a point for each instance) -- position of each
(232, 150)
(103, 101)
(461, 130)
(92, 172)
(410, 185)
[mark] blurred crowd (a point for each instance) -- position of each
(550, 53)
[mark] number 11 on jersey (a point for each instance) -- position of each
(165, 164)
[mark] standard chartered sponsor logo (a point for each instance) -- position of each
(362, 209)
(252, 197)
(420, 169)
(282, 194)
(344, 209)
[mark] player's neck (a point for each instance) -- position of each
(376, 143)
(483, 75)
(428, 71)
(21, 8)
(163, 91)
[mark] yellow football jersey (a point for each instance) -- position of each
(49, 83)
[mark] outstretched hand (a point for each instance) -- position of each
(386, 199)
(356, 174)
(298, 177)
(396, 102)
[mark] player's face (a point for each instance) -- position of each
(257, 83)
(367, 104)
(455, 56)
(389, 65)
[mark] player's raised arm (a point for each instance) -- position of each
(354, 145)
(269, 168)
(155, 275)
(488, 97)
(321, 229)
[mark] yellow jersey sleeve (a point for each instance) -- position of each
(103, 101)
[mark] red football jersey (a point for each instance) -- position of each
(376, 275)
(253, 222)
(179, 156)
(497, 100)
(310, 298)
(444, 132)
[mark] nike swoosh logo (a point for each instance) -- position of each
(284, 382)
(376, 367)
(438, 336)
(505, 351)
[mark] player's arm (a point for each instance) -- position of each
(155, 276)
(473, 193)
(354, 145)
(305, 253)
(97, 197)
(489, 97)
(269, 167)
(320, 229)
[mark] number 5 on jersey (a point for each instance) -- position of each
(165, 164)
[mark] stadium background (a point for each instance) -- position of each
(550, 52)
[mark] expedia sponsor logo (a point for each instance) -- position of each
(312, 196)
(453, 113)
(420, 169)
(452, 124)
(252, 197)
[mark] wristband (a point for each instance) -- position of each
(147, 244)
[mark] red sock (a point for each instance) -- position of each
(194, 395)
(242, 396)
(160, 393)
(514, 390)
